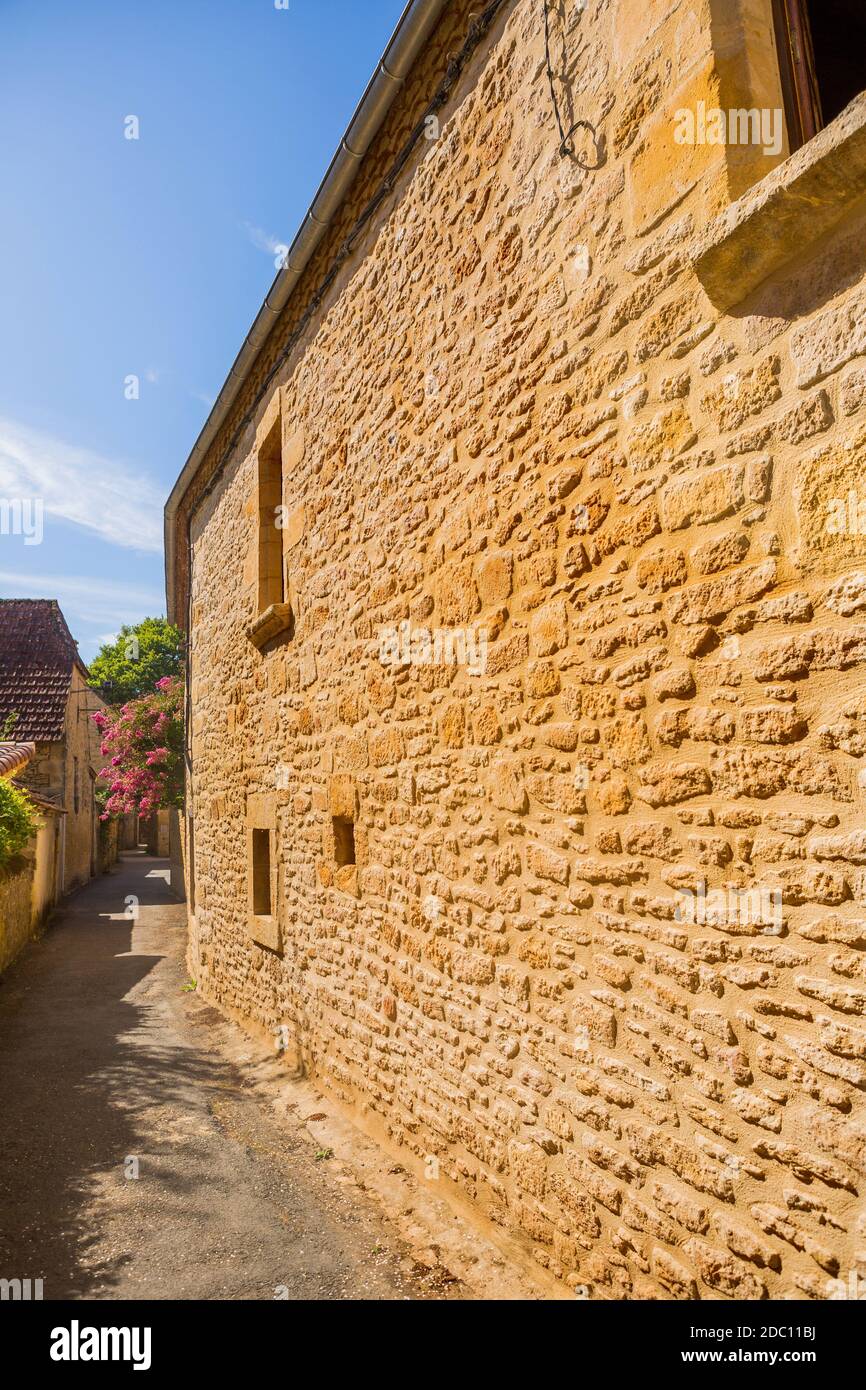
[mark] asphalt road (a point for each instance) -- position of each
(108, 1068)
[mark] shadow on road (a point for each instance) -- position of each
(76, 1077)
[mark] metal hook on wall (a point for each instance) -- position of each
(566, 140)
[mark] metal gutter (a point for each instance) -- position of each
(413, 29)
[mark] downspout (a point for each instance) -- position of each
(413, 29)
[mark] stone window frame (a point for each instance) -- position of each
(265, 929)
(343, 805)
(797, 64)
(272, 610)
(774, 217)
(345, 852)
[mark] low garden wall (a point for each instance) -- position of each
(16, 908)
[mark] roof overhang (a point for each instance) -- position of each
(15, 756)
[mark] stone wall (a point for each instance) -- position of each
(52, 774)
(45, 864)
(82, 750)
(16, 917)
(108, 845)
(28, 889)
(157, 833)
(45, 773)
(176, 853)
(597, 964)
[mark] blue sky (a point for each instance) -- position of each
(145, 257)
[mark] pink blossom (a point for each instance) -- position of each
(144, 742)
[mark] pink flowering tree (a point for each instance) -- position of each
(144, 742)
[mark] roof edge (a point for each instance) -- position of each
(15, 756)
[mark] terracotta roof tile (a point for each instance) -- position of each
(15, 756)
(37, 657)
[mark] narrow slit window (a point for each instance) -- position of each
(261, 868)
(270, 483)
(344, 841)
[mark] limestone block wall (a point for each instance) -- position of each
(47, 848)
(45, 772)
(108, 845)
(598, 961)
(81, 752)
(28, 889)
(52, 774)
(16, 910)
(157, 833)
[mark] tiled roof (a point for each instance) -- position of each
(40, 802)
(37, 656)
(14, 756)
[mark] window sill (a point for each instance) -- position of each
(346, 880)
(789, 209)
(265, 931)
(269, 624)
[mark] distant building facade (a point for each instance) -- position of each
(45, 700)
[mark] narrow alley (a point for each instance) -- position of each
(109, 1065)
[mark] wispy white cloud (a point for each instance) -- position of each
(81, 486)
(102, 603)
(266, 241)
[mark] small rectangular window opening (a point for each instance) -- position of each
(270, 478)
(344, 841)
(261, 868)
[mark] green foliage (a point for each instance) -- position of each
(106, 825)
(18, 821)
(7, 727)
(140, 656)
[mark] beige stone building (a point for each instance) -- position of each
(523, 558)
(43, 685)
